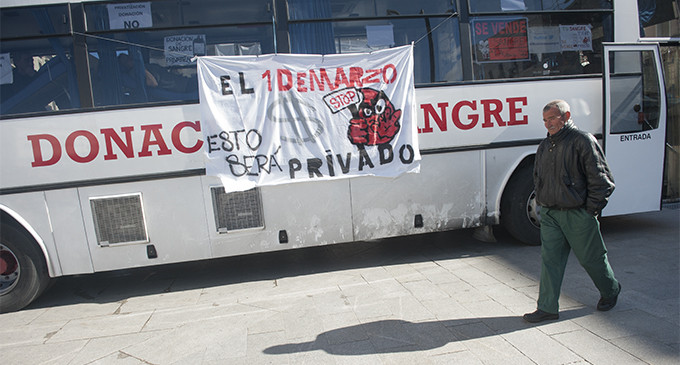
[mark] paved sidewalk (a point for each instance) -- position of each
(433, 299)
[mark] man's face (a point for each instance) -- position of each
(554, 121)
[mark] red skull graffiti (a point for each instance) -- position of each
(375, 121)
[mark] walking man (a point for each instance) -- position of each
(572, 182)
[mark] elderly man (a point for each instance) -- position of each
(572, 182)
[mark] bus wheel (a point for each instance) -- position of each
(23, 271)
(520, 214)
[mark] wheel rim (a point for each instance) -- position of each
(9, 270)
(533, 210)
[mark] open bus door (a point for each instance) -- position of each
(634, 126)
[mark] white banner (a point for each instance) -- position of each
(284, 118)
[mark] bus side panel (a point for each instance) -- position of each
(477, 115)
(310, 214)
(500, 165)
(68, 230)
(175, 222)
(31, 208)
(446, 193)
(87, 147)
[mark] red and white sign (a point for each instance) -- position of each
(500, 39)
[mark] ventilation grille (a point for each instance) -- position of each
(119, 219)
(237, 210)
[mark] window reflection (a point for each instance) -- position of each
(437, 53)
(539, 45)
(537, 5)
(39, 76)
(325, 9)
(157, 66)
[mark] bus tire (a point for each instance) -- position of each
(520, 215)
(24, 273)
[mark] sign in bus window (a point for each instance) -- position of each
(500, 39)
(129, 15)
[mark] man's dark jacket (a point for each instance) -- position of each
(570, 171)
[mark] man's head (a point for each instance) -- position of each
(555, 115)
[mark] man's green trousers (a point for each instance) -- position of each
(565, 230)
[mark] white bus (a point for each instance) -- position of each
(102, 161)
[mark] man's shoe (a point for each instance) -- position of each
(540, 316)
(606, 304)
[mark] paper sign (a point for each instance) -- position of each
(130, 15)
(544, 40)
(180, 49)
(576, 37)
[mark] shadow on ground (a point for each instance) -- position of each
(387, 336)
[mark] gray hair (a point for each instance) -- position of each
(561, 105)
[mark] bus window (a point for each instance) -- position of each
(634, 92)
(34, 21)
(157, 65)
(437, 50)
(173, 14)
(533, 5)
(531, 45)
(316, 9)
(40, 76)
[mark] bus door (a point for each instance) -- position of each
(634, 126)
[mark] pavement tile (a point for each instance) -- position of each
(34, 334)
(110, 349)
(389, 287)
(533, 343)
(507, 295)
(368, 308)
(404, 272)
(510, 276)
(80, 310)
(21, 318)
(409, 308)
(488, 308)
(667, 308)
(160, 301)
(495, 350)
(52, 353)
(264, 322)
(94, 327)
(463, 292)
(257, 345)
(303, 325)
(210, 340)
(475, 277)
(651, 350)
(172, 318)
(119, 358)
(595, 349)
(425, 290)
(373, 274)
(615, 324)
(465, 357)
(332, 302)
(447, 309)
